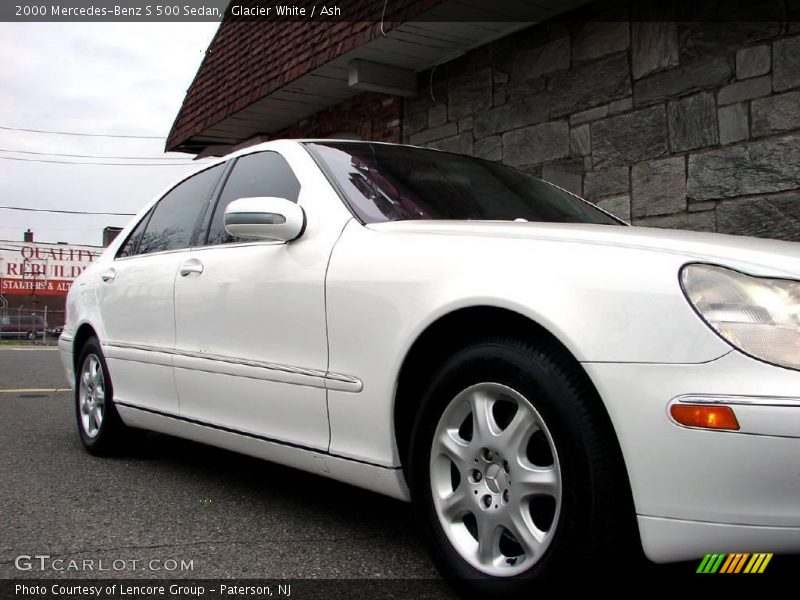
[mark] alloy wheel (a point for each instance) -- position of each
(495, 479)
(92, 396)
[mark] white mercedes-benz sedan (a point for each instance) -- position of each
(542, 381)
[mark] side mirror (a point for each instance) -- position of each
(265, 218)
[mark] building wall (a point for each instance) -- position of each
(36, 276)
(679, 125)
(369, 116)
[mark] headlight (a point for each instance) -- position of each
(757, 315)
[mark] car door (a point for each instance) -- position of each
(135, 295)
(250, 316)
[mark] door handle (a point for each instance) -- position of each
(191, 266)
(109, 275)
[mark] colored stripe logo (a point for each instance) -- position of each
(740, 562)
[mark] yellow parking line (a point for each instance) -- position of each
(30, 390)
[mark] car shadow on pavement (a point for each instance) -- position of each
(253, 477)
(362, 512)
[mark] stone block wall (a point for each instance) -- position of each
(666, 124)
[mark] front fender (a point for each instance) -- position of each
(604, 303)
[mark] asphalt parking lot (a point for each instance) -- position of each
(231, 515)
(173, 500)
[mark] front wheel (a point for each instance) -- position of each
(514, 468)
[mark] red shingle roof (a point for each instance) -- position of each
(248, 60)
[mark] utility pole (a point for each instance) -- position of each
(3, 301)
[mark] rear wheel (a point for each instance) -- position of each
(514, 469)
(100, 427)
(31, 335)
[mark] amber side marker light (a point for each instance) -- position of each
(705, 417)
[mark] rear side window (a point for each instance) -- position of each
(176, 214)
(259, 174)
(131, 245)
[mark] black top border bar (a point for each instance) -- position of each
(376, 11)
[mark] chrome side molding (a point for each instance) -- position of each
(738, 400)
(270, 371)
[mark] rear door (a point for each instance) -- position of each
(136, 294)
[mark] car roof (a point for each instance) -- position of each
(274, 144)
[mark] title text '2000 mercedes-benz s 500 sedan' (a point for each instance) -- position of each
(537, 377)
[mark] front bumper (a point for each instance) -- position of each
(698, 491)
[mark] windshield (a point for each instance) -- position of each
(383, 182)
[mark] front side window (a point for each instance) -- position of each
(175, 216)
(253, 175)
(382, 182)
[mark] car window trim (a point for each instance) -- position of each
(212, 207)
(203, 225)
(159, 253)
(253, 242)
(201, 213)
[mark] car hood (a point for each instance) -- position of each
(759, 256)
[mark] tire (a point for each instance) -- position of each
(100, 427)
(31, 335)
(514, 469)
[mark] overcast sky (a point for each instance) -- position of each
(110, 78)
